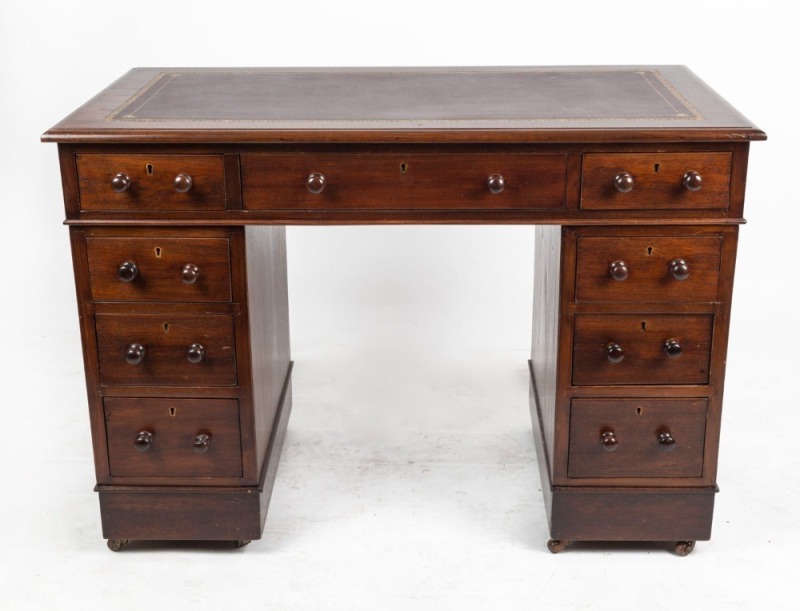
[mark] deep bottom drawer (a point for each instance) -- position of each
(637, 437)
(173, 437)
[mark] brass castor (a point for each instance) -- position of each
(684, 548)
(555, 545)
(116, 544)
(241, 542)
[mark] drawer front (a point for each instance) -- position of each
(166, 350)
(173, 437)
(392, 181)
(641, 349)
(655, 181)
(637, 437)
(159, 269)
(151, 182)
(647, 269)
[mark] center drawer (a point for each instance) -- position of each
(641, 349)
(306, 181)
(173, 437)
(166, 349)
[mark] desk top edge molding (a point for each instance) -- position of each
(407, 105)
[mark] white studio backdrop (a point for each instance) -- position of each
(409, 479)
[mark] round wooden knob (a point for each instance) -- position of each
(666, 442)
(120, 182)
(190, 273)
(195, 353)
(496, 183)
(609, 440)
(134, 354)
(614, 352)
(183, 182)
(623, 182)
(143, 441)
(673, 348)
(315, 183)
(618, 270)
(692, 181)
(127, 271)
(679, 269)
(201, 442)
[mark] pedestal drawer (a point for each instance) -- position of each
(151, 182)
(637, 437)
(641, 349)
(166, 349)
(173, 437)
(656, 268)
(159, 269)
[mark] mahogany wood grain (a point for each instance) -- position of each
(405, 182)
(657, 181)
(152, 182)
(166, 339)
(636, 425)
(642, 339)
(174, 425)
(160, 262)
(647, 261)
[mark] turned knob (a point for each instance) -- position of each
(190, 273)
(120, 182)
(127, 271)
(134, 354)
(201, 443)
(666, 442)
(496, 183)
(679, 269)
(623, 182)
(614, 352)
(315, 182)
(609, 440)
(618, 270)
(673, 348)
(143, 441)
(692, 181)
(195, 353)
(183, 182)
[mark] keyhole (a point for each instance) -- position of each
(657, 167)
(166, 327)
(649, 250)
(638, 411)
(149, 169)
(172, 411)
(403, 167)
(158, 252)
(644, 327)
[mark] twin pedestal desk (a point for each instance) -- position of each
(178, 185)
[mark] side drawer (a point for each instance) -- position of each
(298, 181)
(611, 349)
(637, 437)
(654, 268)
(166, 349)
(173, 437)
(643, 181)
(159, 269)
(151, 182)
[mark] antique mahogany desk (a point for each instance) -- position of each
(178, 185)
